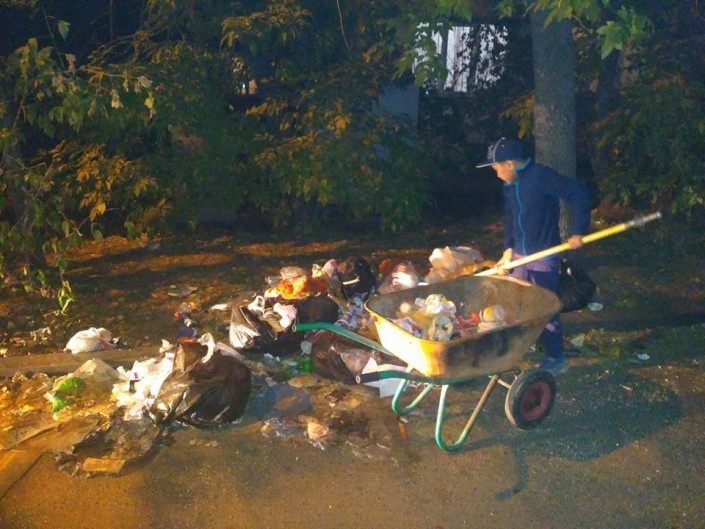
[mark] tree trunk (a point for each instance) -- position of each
(554, 97)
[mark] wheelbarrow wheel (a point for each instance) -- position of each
(530, 398)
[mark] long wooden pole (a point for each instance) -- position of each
(591, 237)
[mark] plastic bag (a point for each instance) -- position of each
(203, 393)
(84, 392)
(339, 358)
(247, 329)
(575, 286)
(401, 277)
(89, 340)
(261, 334)
(356, 276)
(452, 257)
(318, 309)
(139, 386)
(453, 261)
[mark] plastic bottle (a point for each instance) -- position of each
(305, 365)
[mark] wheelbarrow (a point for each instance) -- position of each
(494, 353)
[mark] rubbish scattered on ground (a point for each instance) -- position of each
(293, 384)
(65, 391)
(288, 400)
(304, 381)
(387, 387)
(402, 276)
(578, 340)
(24, 410)
(281, 427)
(595, 307)
(338, 358)
(111, 449)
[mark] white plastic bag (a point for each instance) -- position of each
(93, 339)
(448, 262)
(452, 257)
(138, 387)
(402, 277)
(386, 386)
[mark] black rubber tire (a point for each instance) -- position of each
(530, 398)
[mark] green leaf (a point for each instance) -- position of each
(63, 27)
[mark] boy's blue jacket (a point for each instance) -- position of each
(532, 208)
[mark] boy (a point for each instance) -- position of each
(532, 194)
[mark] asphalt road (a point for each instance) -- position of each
(623, 448)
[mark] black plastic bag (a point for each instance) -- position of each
(317, 309)
(254, 334)
(575, 286)
(339, 358)
(201, 393)
(248, 331)
(356, 276)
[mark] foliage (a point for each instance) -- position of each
(655, 136)
(616, 26)
(157, 123)
(520, 111)
(163, 112)
(325, 143)
(58, 182)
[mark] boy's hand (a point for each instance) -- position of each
(575, 242)
(506, 258)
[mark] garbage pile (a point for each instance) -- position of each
(294, 383)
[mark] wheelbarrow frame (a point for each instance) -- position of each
(493, 353)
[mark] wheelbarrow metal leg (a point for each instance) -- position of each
(441, 416)
(409, 408)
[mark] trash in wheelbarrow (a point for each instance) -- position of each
(526, 307)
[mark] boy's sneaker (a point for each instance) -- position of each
(555, 366)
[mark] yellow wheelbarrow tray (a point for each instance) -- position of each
(494, 353)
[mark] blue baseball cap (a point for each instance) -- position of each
(502, 150)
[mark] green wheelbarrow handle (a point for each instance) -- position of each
(337, 329)
(376, 376)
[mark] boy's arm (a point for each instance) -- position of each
(575, 194)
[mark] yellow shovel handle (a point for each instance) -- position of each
(591, 237)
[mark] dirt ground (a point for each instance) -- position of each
(623, 447)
